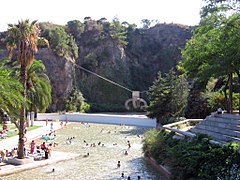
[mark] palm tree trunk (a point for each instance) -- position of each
(23, 79)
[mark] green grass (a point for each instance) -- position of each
(14, 132)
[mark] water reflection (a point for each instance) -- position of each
(111, 141)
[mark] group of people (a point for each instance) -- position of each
(129, 177)
(5, 153)
(42, 150)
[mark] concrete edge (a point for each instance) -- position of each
(37, 164)
(163, 171)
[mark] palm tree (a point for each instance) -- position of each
(38, 87)
(25, 35)
(10, 93)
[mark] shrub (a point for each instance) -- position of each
(194, 158)
(84, 107)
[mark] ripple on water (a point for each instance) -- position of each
(102, 161)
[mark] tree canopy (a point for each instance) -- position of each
(213, 50)
(10, 93)
(167, 96)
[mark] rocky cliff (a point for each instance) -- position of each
(155, 49)
(134, 64)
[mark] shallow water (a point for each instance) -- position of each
(101, 164)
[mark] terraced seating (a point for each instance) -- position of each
(221, 127)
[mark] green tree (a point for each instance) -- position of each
(63, 44)
(10, 93)
(118, 31)
(213, 50)
(26, 35)
(59, 40)
(146, 23)
(74, 101)
(38, 87)
(167, 96)
(75, 28)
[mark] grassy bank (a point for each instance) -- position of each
(13, 131)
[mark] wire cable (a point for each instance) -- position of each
(110, 81)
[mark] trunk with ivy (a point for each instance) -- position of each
(23, 76)
(230, 93)
(238, 74)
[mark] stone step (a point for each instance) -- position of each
(217, 136)
(220, 125)
(225, 131)
(230, 139)
(223, 120)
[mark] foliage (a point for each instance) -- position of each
(146, 23)
(167, 96)
(91, 60)
(217, 99)
(26, 36)
(10, 93)
(213, 50)
(38, 87)
(84, 107)
(193, 158)
(197, 105)
(42, 42)
(75, 28)
(63, 44)
(75, 102)
(222, 6)
(118, 32)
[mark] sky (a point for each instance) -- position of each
(133, 11)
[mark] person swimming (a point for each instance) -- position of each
(118, 164)
(128, 143)
(86, 155)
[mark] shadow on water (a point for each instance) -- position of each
(135, 131)
(141, 169)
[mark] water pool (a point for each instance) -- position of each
(101, 164)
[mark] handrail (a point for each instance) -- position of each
(181, 122)
(188, 134)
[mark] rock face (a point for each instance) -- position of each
(155, 49)
(107, 59)
(133, 66)
(60, 73)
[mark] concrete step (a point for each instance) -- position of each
(222, 127)
(217, 136)
(222, 119)
(226, 131)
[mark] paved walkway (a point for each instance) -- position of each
(9, 143)
(6, 169)
(12, 142)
